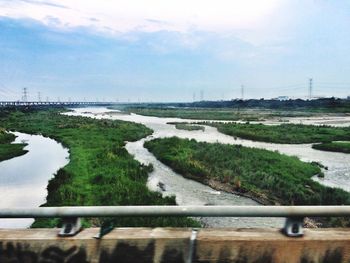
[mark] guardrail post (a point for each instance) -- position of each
(104, 229)
(294, 227)
(71, 226)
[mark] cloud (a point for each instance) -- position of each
(12, 3)
(147, 16)
(38, 2)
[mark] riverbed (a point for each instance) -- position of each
(189, 192)
(23, 179)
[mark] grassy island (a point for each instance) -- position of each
(7, 149)
(343, 147)
(100, 171)
(267, 176)
(187, 126)
(284, 133)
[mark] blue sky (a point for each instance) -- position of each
(168, 50)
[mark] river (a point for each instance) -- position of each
(189, 192)
(23, 179)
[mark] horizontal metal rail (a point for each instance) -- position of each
(193, 211)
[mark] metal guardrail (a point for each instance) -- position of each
(207, 211)
(293, 227)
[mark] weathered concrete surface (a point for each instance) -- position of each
(255, 246)
(174, 245)
(121, 245)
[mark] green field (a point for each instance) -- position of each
(284, 133)
(343, 147)
(100, 171)
(256, 172)
(8, 150)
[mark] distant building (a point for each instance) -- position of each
(281, 98)
(348, 97)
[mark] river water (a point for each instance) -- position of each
(23, 179)
(189, 192)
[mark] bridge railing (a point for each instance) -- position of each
(71, 215)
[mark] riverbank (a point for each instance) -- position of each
(100, 171)
(8, 150)
(266, 176)
(284, 133)
(343, 147)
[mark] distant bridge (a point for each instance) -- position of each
(52, 103)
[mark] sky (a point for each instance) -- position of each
(173, 50)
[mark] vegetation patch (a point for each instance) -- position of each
(343, 147)
(100, 172)
(284, 133)
(8, 150)
(254, 172)
(187, 126)
(291, 107)
(201, 113)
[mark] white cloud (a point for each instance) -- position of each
(147, 16)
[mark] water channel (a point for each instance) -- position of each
(23, 179)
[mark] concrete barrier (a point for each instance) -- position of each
(176, 245)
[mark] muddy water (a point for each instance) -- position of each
(23, 179)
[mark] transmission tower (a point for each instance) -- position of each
(242, 92)
(202, 95)
(39, 96)
(25, 95)
(310, 88)
(194, 96)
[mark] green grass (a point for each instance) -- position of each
(260, 173)
(6, 137)
(8, 150)
(284, 133)
(187, 126)
(100, 172)
(343, 147)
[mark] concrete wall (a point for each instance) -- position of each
(176, 245)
